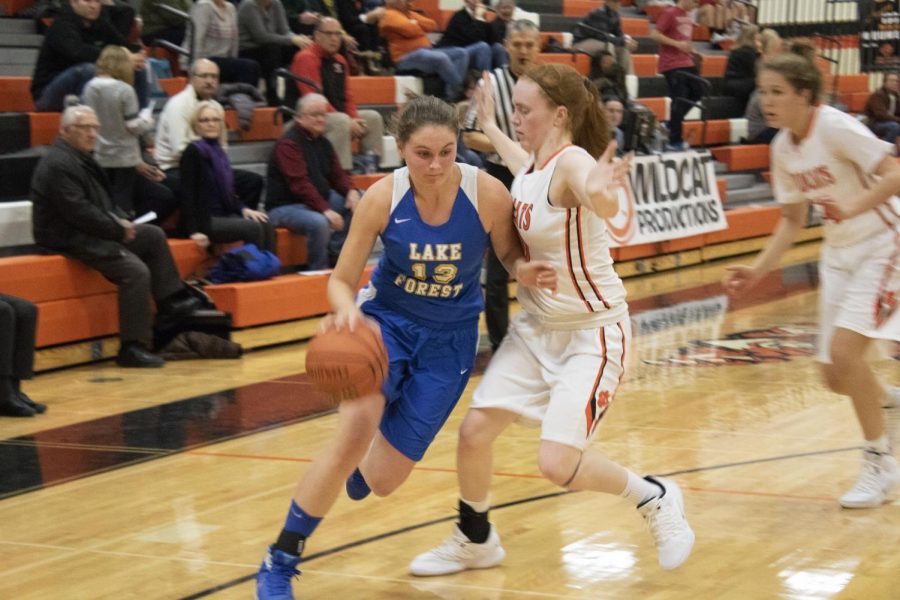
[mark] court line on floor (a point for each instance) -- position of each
(337, 549)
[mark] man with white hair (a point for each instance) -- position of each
(74, 216)
(308, 191)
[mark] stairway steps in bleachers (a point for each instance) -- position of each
(21, 40)
(22, 70)
(759, 193)
(18, 56)
(557, 22)
(17, 26)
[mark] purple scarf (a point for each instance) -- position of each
(222, 174)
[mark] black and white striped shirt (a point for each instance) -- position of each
(502, 81)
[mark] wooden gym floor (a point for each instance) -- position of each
(169, 484)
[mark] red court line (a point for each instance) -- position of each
(519, 476)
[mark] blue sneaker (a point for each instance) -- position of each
(273, 581)
(357, 488)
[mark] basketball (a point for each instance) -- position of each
(347, 364)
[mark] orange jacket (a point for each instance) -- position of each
(405, 32)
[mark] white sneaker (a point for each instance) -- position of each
(665, 518)
(458, 553)
(879, 474)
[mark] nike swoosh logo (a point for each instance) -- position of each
(464, 371)
(398, 221)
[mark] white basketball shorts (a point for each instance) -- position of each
(561, 379)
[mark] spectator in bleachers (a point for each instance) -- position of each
(214, 35)
(719, 15)
(674, 29)
(18, 326)
(74, 215)
(308, 191)
(770, 44)
(601, 31)
(162, 25)
(615, 111)
(883, 109)
(135, 185)
(174, 132)
(301, 16)
(406, 33)
(468, 30)
(740, 70)
(322, 64)
(70, 48)
(211, 210)
(266, 38)
(610, 77)
(358, 19)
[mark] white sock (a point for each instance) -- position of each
(638, 490)
(480, 507)
(881, 445)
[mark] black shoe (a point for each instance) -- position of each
(13, 407)
(179, 307)
(135, 357)
(38, 407)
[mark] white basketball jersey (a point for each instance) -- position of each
(836, 159)
(589, 293)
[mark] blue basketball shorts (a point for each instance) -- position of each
(428, 371)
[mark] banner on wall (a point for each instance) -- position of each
(668, 196)
(879, 37)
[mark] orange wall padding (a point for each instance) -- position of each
(581, 62)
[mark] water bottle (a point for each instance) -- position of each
(370, 161)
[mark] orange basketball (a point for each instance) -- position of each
(347, 364)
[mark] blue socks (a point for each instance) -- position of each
(297, 527)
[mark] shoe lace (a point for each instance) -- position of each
(664, 524)
(452, 549)
(279, 581)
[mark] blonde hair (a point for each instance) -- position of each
(768, 39)
(561, 85)
(747, 36)
(115, 61)
(220, 112)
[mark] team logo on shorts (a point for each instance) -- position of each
(774, 344)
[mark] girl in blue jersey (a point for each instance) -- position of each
(435, 218)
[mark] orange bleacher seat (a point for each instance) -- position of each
(657, 106)
(701, 33)
(173, 85)
(267, 124)
(679, 244)
(636, 27)
(855, 101)
(853, 83)
(723, 190)
(283, 298)
(743, 158)
(15, 94)
(581, 62)
(635, 252)
(291, 247)
(743, 223)
(644, 64)
(713, 65)
(44, 127)
(547, 35)
(71, 319)
(718, 131)
(431, 8)
(579, 8)
(373, 90)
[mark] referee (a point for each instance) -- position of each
(523, 42)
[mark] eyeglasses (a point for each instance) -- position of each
(209, 120)
(86, 127)
(315, 115)
(332, 33)
(214, 76)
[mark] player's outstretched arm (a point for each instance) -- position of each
(369, 221)
(509, 150)
(741, 278)
(495, 206)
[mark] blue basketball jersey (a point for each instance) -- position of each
(431, 274)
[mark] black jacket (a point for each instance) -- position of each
(72, 210)
(464, 30)
(606, 21)
(69, 42)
